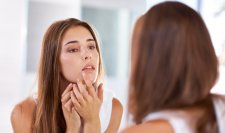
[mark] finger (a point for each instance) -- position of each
(68, 105)
(75, 113)
(79, 97)
(82, 87)
(75, 87)
(74, 110)
(90, 87)
(100, 92)
(65, 98)
(68, 88)
(74, 100)
(87, 97)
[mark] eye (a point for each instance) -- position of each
(73, 50)
(92, 47)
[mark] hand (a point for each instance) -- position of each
(72, 118)
(88, 103)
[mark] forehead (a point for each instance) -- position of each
(77, 32)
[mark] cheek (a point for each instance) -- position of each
(96, 59)
(70, 69)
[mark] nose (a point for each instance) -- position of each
(86, 54)
(87, 57)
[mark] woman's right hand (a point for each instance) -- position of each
(72, 118)
(88, 103)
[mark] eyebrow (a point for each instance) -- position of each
(75, 41)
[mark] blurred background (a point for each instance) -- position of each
(23, 23)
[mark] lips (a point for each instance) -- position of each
(88, 67)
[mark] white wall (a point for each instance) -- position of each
(135, 5)
(12, 38)
(41, 14)
(14, 80)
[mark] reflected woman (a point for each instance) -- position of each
(70, 95)
(174, 67)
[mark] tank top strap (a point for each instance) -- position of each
(106, 109)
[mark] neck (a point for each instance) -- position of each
(63, 83)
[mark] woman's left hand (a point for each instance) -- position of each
(88, 103)
(73, 121)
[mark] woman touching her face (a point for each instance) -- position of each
(70, 95)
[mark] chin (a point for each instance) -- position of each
(93, 79)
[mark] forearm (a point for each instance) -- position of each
(92, 127)
(73, 130)
(77, 131)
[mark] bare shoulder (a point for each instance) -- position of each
(116, 116)
(156, 126)
(117, 106)
(22, 115)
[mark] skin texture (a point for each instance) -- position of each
(78, 50)
(79, 62)
(21, 116)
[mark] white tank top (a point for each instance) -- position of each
(182, 124)
(105, 110)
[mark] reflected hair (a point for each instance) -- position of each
(174, 65)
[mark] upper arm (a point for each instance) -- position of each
(116, 116)
(21, 117)
(16, 116)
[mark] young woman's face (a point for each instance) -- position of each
(79, 54)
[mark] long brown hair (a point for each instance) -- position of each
(175, 65)
(48, 117)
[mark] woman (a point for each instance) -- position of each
(70, 96)
(174, 67)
